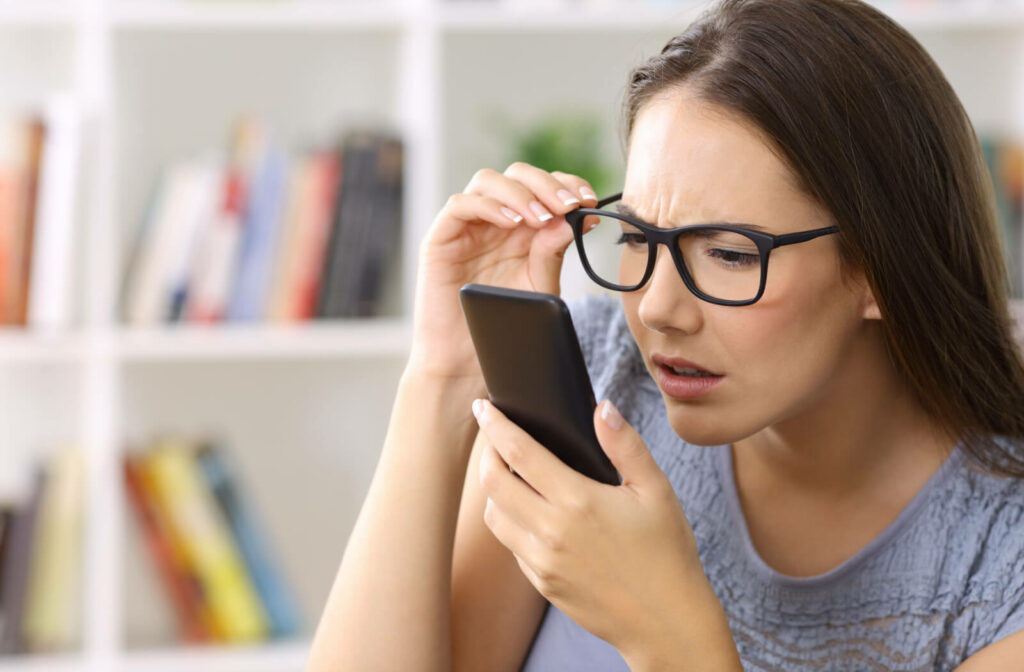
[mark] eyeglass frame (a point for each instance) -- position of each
(765, 242)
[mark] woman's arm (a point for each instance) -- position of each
(495, 609)
(389, 606)
(1006, 654)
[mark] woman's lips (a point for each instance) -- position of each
(685, 387)
(678, 363)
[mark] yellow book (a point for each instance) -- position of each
(52, 617)
(207, 542)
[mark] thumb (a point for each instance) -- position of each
(623, 446)
(548, 252)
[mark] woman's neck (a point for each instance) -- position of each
(864, 429)
(820, 485)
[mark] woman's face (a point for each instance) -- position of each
(690, 162)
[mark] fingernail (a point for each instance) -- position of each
(588, 194)
(511, 214)
(541, 212)
(611, 415)
(478, 408)
(567, 197)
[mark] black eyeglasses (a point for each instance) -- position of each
(722, 264)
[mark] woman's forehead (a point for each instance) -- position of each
(691, 161)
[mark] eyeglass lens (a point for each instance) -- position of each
(723, 265)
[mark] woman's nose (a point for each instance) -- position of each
(667, 303)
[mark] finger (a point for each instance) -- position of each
(538, 466)
(506, 530)
(528, 572)
(579, 186)
(463, 209)
(550, 192)
(517, 196)
(514, 495)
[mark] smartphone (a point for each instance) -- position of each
(535, 374)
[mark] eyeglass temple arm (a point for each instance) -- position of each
(791, 238)
(611, 199)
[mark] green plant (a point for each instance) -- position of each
(566, 141)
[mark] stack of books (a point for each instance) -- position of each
(40, 561)
(260, 236)
(39, 154)
(208, 547)
(1005, 159)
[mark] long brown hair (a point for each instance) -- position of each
(875, 133)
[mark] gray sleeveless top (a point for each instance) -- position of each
(944, 580)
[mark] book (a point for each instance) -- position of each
(208, 545)
(180, 583)
(215, 265)
(313, 250)
(7, 515)
(151, 285)
(277, 599)
(22, 233)
(17, 566)
(49, 301)
(1011, 175)
(385, 225)
(1004, 161)
(198, 205)
(52, 614)
(256, 253)
(13, 144)
(351, 227)
(305, 249)
(293, 225)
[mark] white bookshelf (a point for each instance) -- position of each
(304, 408)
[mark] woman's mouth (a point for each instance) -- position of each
(684, 381)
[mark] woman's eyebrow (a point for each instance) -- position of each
(624, 209)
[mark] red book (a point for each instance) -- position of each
(180, 583)
(328, 177)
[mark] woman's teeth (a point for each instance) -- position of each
(687, 371)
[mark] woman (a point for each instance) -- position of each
(836, 486)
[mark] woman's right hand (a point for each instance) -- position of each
(476, 238)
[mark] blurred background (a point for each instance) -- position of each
(201, 337)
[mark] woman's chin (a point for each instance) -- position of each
(703, 428)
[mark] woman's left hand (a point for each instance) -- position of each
(620, 561)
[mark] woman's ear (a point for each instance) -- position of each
(869, 306)
(871, 310)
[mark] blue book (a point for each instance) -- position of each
(276, 597)
(262, 221)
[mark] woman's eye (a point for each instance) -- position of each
(631, 239)
(735, 259)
